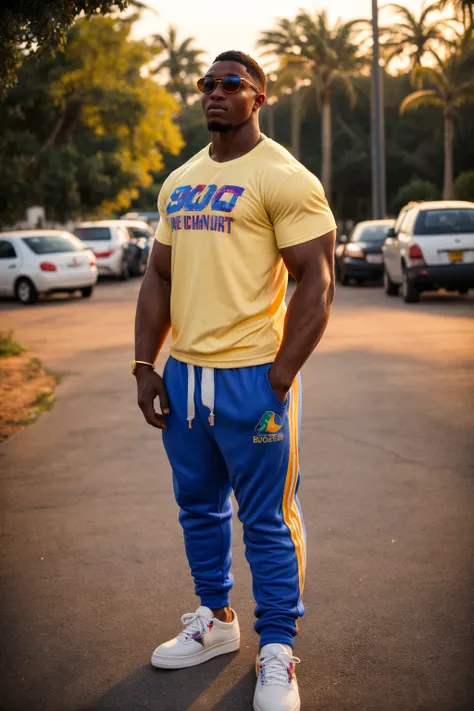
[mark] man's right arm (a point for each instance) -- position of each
(152, 324)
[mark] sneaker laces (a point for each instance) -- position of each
(277, 668)
(196, 625)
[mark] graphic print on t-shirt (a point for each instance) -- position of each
(226, 224)
(194, 199)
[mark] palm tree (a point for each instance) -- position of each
(327, 56)
(463, 8)
(452, 87)
(413, 36)
(292, 77)
(283, 41)
(182, 63)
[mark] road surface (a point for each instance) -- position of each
(93, 573)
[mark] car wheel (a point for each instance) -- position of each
(391, 289)
(124, 270)
(463, 291)
(410, 293)
(25, 291)
(87, 291)
(344, 279)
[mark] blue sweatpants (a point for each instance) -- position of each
(252, 448)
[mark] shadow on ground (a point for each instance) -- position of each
(442, 303)
(180, 690)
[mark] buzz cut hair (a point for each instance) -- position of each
(252, 67)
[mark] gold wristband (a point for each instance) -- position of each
(143, 362)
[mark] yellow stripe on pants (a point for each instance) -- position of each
(291, 513)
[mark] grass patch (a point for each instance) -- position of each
(43, 402)
(9, 347)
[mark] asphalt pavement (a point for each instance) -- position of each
(93, 573)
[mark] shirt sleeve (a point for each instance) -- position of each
(163, 231)
(298, 209)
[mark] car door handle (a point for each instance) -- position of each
(12, 266)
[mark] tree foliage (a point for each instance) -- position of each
(452, 87)
(33, 27)
(463, 8)
(413, 36)
(464, 186)
(415, 190)
(327, 56)
(182, 65)
(82, 132)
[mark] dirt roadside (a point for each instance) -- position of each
(26, 388)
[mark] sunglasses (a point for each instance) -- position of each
(230, 84)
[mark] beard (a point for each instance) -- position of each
(217, 127)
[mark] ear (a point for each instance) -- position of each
(259, 101)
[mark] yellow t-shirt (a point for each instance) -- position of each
(226, 223)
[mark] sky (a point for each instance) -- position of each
(219, 25)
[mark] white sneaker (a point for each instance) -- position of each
(203, 638)
(277, 688)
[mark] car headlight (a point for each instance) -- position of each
(354, 251)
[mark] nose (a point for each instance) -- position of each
(217, 93)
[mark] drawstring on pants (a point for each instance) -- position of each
(191, 411)
(207, 393)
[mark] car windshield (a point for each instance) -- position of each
(93, 234)
(444, 221)
(45, 244)
(370, 233)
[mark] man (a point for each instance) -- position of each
(235, 219)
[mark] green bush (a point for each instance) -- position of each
(416, 190)
(464, 186)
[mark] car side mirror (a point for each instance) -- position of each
(391, 232)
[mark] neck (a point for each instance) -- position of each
(233, 144)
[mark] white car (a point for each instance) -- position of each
(431, 247)
(34, 262)
(110, 241)
(151, 218)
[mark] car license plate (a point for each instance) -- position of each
(456, 256)
(374, 258)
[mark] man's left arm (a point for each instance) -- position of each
(312, 266)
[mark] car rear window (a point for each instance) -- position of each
(447, 221)
(93, 234)
(44, 244)
(371, 233)
(139, 233)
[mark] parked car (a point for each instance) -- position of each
(34, 262)
(143, 236)
(431, 247)
(152, 218)
(114, 247)
(360, 257)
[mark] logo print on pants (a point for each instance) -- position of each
(269, 423)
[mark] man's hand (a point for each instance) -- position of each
(151, 386)
(279, 386)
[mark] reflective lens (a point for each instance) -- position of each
(206, 85)
(230, 84)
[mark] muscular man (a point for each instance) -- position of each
(235, 219)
